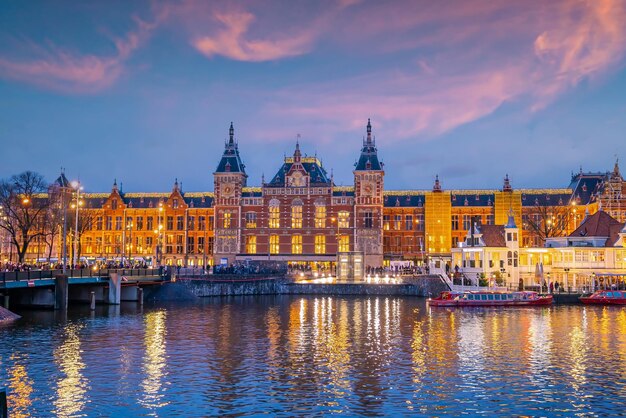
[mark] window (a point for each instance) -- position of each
(191, 223)
(368, 220)
(250, 220)
(408, 222)
(201, 223)
(114, 204)
(320, 244)
(467, 222)
(149, 223)
(320, 216)
(344, 219)
(99, 223)
(419, 222)
(175, 203)
(179, 244)
(455, 222)
(211, 223)
(139, 225)
(296, 244)
(296, 215)
(490, 219)
(274, 214)
(274, 244)
(118, 223)
(386, 219)
(344, 243)
(170, 223)
(180, 223)
(190, 244)
(251, 244)
(397, 223)
(201, 245)
(227, 220)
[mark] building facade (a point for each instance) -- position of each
(302, 217)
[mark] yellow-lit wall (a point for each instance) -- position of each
(437, 212)
(504, 201)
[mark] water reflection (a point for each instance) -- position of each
(20, 386)
(71, 388)
(155, 360)
(294, 356)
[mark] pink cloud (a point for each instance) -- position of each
(60, 70)
(231, 41)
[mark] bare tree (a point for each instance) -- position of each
(86, 222)
(25, 203)
(547, 221)
(53, 220)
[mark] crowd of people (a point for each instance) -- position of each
(100, 265)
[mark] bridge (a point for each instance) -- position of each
(52, 288)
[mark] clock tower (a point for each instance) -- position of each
(368, 199)
(228, 181)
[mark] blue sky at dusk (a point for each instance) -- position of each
(471, 90)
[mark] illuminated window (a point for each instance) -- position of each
(344, 219)
(386, 219)
(251, 244)
(274, 214)
(320, 216)
(296, 244)
(397, 223)
(320, 244)
(118, 223)
(250, 220)
(274, 244)
(344, 243)
(296, 214)
(227, 220)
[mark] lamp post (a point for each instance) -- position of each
(76, 186)
(129, 245)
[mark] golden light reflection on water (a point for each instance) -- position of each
(155, 360)
(71, 390)
(20, 387)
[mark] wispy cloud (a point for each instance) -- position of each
(59, 69)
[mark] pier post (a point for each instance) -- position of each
(4, 413)
(6, 301)
(92, 300)
(140, 296)
(60, 292)
(115, 289)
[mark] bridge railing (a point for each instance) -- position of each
(7, 276)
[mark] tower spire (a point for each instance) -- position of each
(437, 185)
(369, 132)
(231, 135)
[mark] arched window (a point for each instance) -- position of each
(274, 213)
(320, 214)
(296, 214)
(509, 257)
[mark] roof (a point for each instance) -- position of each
(600, 224)
(369, 154)
(231, 161)
(310, 165)
(614, 231)
(493, 235)
(407, 200)
(585, 186)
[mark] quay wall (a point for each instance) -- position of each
(186, 289)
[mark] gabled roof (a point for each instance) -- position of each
(585, 186)
(614, 231)
(369, 154)
(600, 224)
(493, 235)
(310, 165)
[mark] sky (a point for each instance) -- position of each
(144, 92)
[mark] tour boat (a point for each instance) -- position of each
(488, 298)
(605, 297)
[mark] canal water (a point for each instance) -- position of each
(293, 355)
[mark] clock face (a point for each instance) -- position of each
(228, 189)
(367, 188)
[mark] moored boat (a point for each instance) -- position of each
(488, 298)
(605, 297)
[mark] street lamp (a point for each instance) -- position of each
(76, 186)
(129, 245)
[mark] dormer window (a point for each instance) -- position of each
(175, 203)
(114, 204)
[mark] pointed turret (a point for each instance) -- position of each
(114, 188)
(507, 184)
(297, 155)
(616, 175)
(368, 161)
(437, 185)
(176, 188)
(62, 181)
(231, 161)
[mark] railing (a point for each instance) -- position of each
(7, 276)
